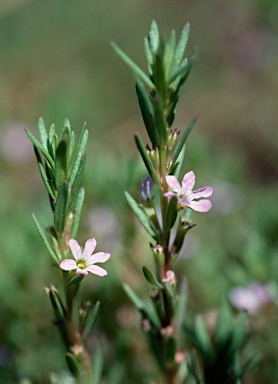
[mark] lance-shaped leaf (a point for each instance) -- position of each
(158, 73)
(60, 210)
(46, 240)
(77, 154)
(76, 279)
(171, 213)
(239, 332)
(169, 351)
(142, 217)
(181, 304)
(73, 364)
(74, 188)
(203, 336)
(146, 158)
(176, 167)
(179, 51)
(97, 364)
(43, 132)
(147, 113)
(160, 121)
(168, 54)
(153, 37)
(40, 147)
(223, 328)
(134, 298)
(134, 67)
(171, 300)
(150, 277)
(90, 320)
(59, 310)
(52, 140)
(61, 163)
(43, 173)
(77, 207)
(182, 140)
(171, 110)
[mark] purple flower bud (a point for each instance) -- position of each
(145, 188)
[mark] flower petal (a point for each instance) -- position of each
(173, 182)
(170, 194)
(200, 206)
(202, 192)
(68, 265)
(97, 270)
(80, 271)
(99, 257)
(89, 248)
(188, 182)
(75, 249)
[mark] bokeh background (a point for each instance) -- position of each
(56, 61)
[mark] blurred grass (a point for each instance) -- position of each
(56, 62)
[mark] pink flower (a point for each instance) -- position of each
(185, 194)
(85, 260)
(250, 298)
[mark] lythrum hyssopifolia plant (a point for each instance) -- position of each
(186, 351)
(164, 208)
(61, 162)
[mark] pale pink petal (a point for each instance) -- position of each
(97, 270)
(75, 249)
(202, 192)
(99, 257)
(89, 248)
(200, 206)
(80, 271)
(188, 182)
(184, 202)
(170, 194)
(173, 182)
(68, 265)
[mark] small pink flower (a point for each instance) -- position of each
(185, 194)
(85, 260)
(250, 298)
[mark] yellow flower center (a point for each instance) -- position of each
(81, 264)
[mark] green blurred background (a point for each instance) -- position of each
(56, 61)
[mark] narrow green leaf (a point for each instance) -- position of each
(144, 220)
(76, 279)
(160, 121)
(43, 173)
(159, 75)
(52, 140)
(77, 154)
(71, 144)
(149, 55)
(40, 147)
(171, 213)
(90, 320)
(147, 113)
(73, 364)
(56, 304)
(74, 188)
(134, 67)
(77, 213)
(182, 140)
(154, 37)
(60, 210)
(169, 52)
(223, 327)
(181, 72)
(175, 170)
(46, 240)
(181, 304)
(180, 49)
(133, 297)
(61, 163)
(146, 158)
(203, 336)
(97, 365)
(150, 277)
(170, 349)
(43, 132)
